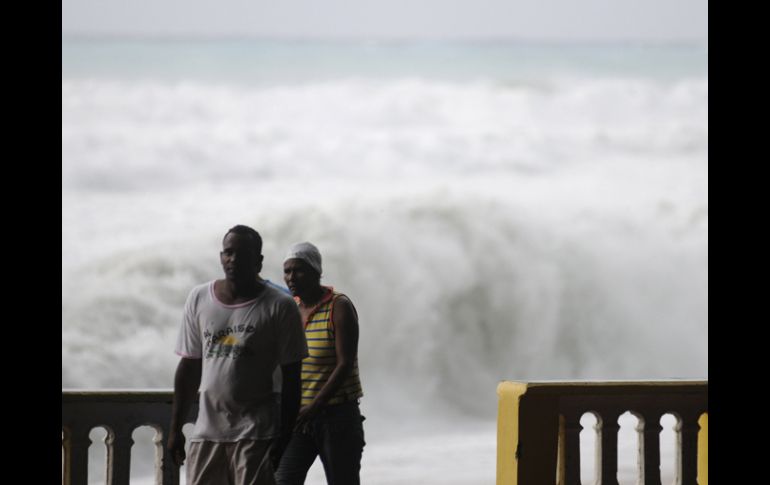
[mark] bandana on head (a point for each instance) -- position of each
(307, 252)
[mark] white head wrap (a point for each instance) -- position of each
(307, 252)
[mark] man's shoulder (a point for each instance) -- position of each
(202, 287)
(342, 302)
(279, 305)
(341, 298)
(278, 295)
(199, 290)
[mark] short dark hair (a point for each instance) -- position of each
(254, 237)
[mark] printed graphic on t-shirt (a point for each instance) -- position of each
(224, 343)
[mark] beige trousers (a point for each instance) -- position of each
(245, 462)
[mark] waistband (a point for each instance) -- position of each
(343, 408)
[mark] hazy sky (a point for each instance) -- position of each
(657, 20)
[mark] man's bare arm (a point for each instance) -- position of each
(291, 392)
(186, 382)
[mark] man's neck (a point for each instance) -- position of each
(236, 291)
(312, 296)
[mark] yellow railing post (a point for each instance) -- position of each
(509, 395)
(703, 450)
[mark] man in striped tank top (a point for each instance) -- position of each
(329, 424)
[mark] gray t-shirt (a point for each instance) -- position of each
(241, 347)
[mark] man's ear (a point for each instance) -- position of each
(260, 259)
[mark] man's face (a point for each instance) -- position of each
(299, 276)
(238, 257)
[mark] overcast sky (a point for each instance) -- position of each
(657, 20)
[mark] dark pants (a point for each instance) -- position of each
(336, 434)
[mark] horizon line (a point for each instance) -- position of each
(351, 39)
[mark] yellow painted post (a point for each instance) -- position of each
(509, 398)
(703, 450)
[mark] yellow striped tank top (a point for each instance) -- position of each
(322, 358)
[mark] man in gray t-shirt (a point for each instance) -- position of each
(235, 333)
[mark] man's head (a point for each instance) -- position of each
(302, 268)
(241, 255)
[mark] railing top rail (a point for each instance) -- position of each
(630, 382)
(117, 395)
(636, 387)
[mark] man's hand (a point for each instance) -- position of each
(306, 413)
(175, 447)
